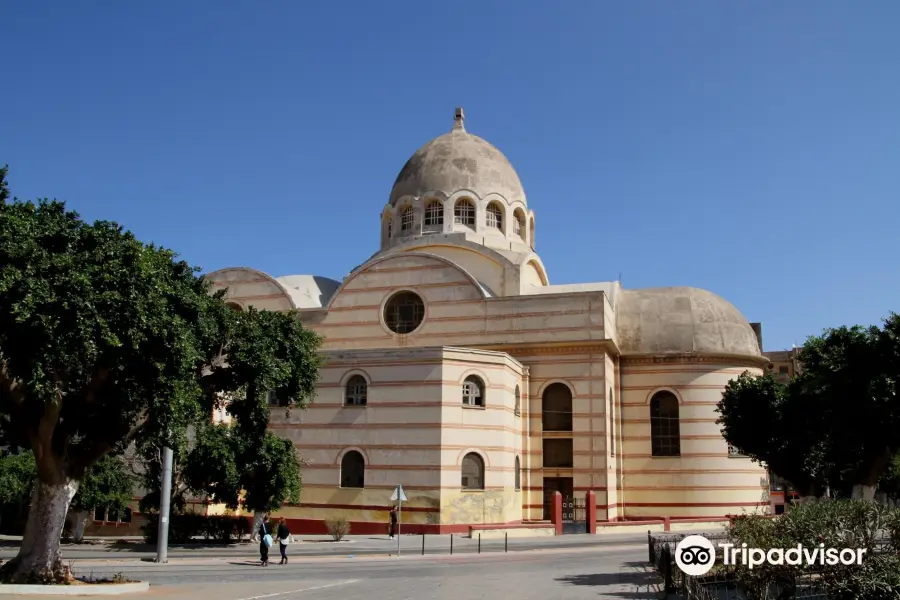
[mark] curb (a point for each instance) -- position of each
(99, 589)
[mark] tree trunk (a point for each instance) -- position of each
(863, 492)
(38, 560)
(79, 520)
(257, 521)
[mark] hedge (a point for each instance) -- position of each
(186, 528)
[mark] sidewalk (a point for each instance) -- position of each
(310, 546)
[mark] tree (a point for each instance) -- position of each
(837, 424)
(105, 340)
(211, 469)
(271, 476)
(761, 419)
(107, 484)
(847, 378)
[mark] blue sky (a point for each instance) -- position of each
(747, 148)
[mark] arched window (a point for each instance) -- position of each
(353, 470)
(434, 216)
(407, 219)
(665, 437)
(518, 408)
(389, 224)
(473, 391)
(357, 391)
(472, 472)
(518, 475)
(464, 213)
(494, 216)
(556, 408)
(519, 223)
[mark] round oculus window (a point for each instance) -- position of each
(404, 312)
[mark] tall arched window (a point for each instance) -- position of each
(407, 219)
(556, 408)
(389, 224)
(357, 391)
(472, 472)
(434, 216)
(665, 436)
(519, 223)
(518, 474)
(473, 391)
(353, 470)
(494, 216)
(518, 408)
(464, 213)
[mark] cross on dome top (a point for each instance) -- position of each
(459, 120)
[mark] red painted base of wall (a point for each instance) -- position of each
(317, 527)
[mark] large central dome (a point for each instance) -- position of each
(458, 161)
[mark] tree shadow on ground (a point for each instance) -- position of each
(643, 580)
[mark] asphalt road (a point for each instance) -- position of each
(606, 571)
(361, 546)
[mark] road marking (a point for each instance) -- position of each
(318, 587)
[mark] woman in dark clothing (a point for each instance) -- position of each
(263, 547)
(284, 538)
(392, 529)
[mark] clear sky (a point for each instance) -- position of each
(752, 149)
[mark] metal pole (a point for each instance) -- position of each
(451, 543)
(479, 543)
(423, 544)
(165, 503)
(399, 515)
(506, 542)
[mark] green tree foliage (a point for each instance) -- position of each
(16, 477)
(108, 484)
(104, 341)
(836, 424)
(761, 419)
(272, 474)
(4, 186)
(211, 469)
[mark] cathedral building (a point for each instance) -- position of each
(453, 366)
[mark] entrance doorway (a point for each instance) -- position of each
(574, 510)
(563, 485)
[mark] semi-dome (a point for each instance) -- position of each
(682, 320)
(458, 161)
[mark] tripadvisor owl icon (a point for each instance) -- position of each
(695, 555)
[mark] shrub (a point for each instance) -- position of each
(185, 527)
(836, 524)
(337, 528)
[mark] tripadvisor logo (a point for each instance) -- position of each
(695, 555)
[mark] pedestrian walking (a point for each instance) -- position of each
(392, 528)
(284, 538)
(265, 541)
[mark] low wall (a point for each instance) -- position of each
(491, 532)
(668, 525)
